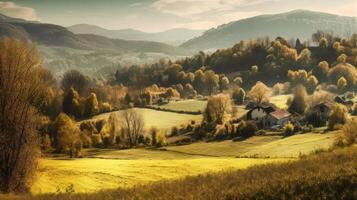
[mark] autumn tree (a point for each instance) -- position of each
(224, 83)
(66, 134)
(211, 81)
(217, 108)
(338, 116)
(74, 79)
(342, 83)
(299, 101)
(133, 125)
(238, 95)
(92, 105)
(321, 70)
(20, 90)
(260, 93)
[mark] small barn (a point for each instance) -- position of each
(324, 108)
(259, 113)
(278, 118)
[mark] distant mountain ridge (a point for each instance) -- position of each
(295, 24)
(172, 36)
(55, 35)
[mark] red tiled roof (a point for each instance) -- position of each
(280, 114)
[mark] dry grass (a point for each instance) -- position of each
(329, 175)
(261, 146)
(190, 105)
(93, 174)
(280, 100)
(160, 119)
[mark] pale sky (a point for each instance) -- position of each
(159, 15)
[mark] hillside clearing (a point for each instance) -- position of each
(261, 146)
(280, 100)
(190, 105)
(159, 119)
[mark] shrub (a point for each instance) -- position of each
(298, 103)
(161, 140)
(337, 116)
(46, 144)
(348, 136)
(315, 118)
(220, 133)
(342, 83)
(247, 129)
(154, 132)
(174, 131)
(97, 140)
(105, 107)
(238, 96)
(86, 139)
(288, 129)
(66, 133)
(354, 109)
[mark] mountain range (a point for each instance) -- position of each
(295, 24)
(172, 36)
(58, 36)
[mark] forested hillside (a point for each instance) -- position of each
(295, 24)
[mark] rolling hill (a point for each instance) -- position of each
(295, 24)
(58, 36)
(172, 36)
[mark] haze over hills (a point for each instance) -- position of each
(55, 35)
(295, 24)
(172, 36)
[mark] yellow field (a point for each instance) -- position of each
(108, 169)
(159, 119)
(94, 174)
(186, 105)
(261, 146)
(280, 100)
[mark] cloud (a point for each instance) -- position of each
(217, 20)
(13, 10)
(189, 8)
(348, 9)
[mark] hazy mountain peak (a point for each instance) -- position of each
(293, 24)
(171, 36)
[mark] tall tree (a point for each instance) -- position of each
(20, 90)
(133, 125)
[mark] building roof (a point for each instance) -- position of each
(325, 104)
(280, 114)
(267, 107)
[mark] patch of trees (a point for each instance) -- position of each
(256, 60)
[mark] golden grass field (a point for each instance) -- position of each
(190, 105)
(159, 119)
(261, 146)
(280, 100)
(109, 169)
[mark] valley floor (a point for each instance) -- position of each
(110, 169)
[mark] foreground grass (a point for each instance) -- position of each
(330, 175)
(109, 169)
(128, 168)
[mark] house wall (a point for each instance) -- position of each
(282, 122)
(258, 114)
(271, 121)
